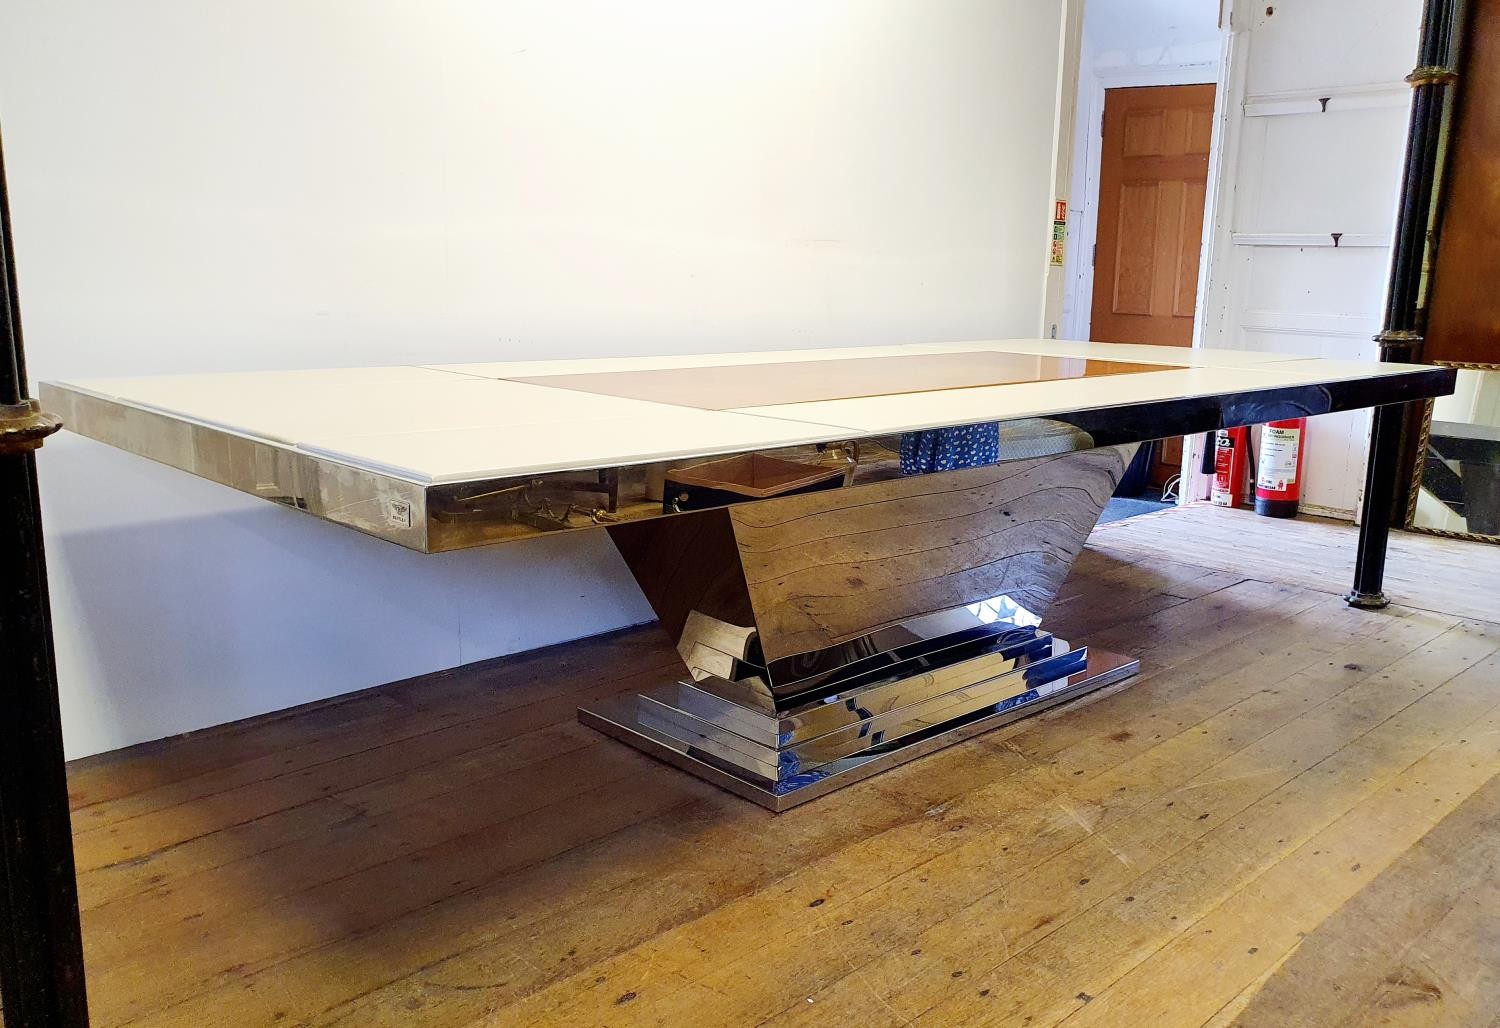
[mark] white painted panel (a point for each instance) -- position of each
(1335, 455)
(1303, 153)
(1307, 337)
(1292, 171)
(1325, 100)
(1316, 280)
(1313, 44)
(1351, 240)
(1357, 330)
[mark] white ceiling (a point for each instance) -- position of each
(1138, 24)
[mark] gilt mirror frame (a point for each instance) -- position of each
(1419, 463)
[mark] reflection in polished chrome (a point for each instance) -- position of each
(825, 629)
(617, 717)
(980, 685)
(861, 697)
(1457, 490)
(730, 655)
(1002, 609)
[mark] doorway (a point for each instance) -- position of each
(1153, 181)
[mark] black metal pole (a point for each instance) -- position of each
(1400, 337)
(41, 947)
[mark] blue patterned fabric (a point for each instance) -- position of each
(947, 449)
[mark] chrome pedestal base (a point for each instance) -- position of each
(776, 777)
(831, 634)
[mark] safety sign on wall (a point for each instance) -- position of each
(1059, 232)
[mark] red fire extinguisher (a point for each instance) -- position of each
(1278, 480)
(1230, 448)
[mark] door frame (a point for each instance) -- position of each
(1089, 145)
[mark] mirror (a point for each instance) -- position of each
(1458, 476)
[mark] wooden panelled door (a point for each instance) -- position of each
(1153, 176)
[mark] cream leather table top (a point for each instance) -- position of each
(465, 422)
(404, 431)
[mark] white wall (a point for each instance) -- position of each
(1293, 173)
(1151, 31)
(238, 185)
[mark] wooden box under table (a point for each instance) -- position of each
(750, 476)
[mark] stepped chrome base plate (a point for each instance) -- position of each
(617, 717)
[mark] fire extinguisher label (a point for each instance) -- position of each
(1278, 458)
(1222, 493)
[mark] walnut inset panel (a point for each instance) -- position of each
(757, 385)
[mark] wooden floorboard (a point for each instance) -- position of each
(1419, 945)
(1291, 816)
(1424, 571)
